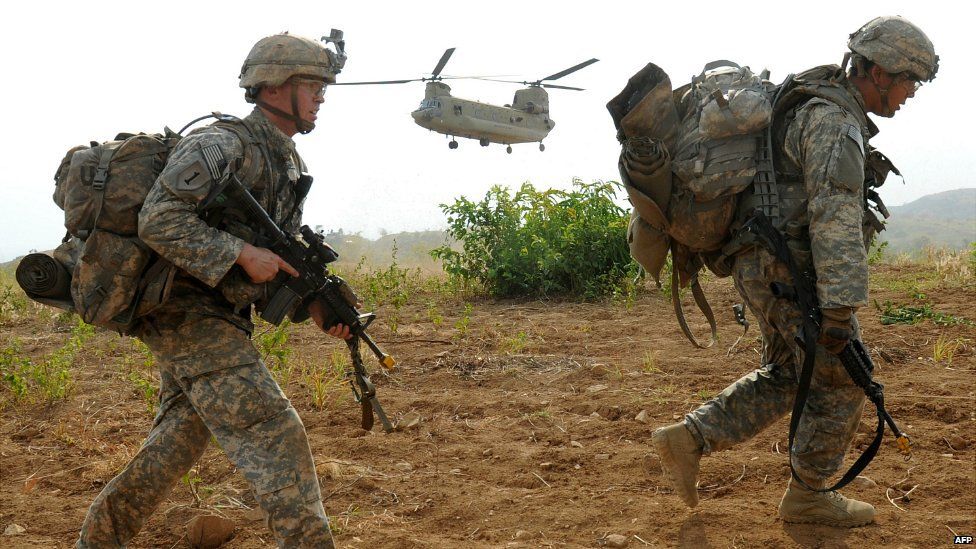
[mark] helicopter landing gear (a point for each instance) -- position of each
(452, 145)
(483, 142)
(508, 149)
(542, 147)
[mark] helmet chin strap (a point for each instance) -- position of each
(885, 104)
(887, 110)
(303, 126)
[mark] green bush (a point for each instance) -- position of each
(541, 243)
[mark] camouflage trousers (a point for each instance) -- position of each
(229, 395)
(758, 399)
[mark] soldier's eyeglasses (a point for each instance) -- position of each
(316, 86)
(907, 79)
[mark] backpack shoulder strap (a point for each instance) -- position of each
(255, 150)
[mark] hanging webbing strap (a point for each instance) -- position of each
(703, 306)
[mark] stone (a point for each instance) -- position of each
(255, 515)
(596, 388)
(642, 417)
(615, 540)
(864, 482)
(524, 534)
(957, 442)
(602, 457)
(14, 530)
(651, 465)
(410, 420)
(487, 452)
(547, 466)
(575, 444)
(403, 466)
(209, 531)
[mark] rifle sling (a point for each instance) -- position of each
(803, 390)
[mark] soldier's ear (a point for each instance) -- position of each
(878, 74)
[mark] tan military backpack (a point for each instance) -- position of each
(686, 155)
(102, 270)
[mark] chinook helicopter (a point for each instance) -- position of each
(526, 120)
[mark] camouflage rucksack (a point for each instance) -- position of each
(686, 156)
(114, 277)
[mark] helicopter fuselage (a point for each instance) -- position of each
(443, 113)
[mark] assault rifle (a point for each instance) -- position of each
(310, 256)
(854, 356)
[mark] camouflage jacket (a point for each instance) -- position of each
(208, 282)
(822, 161)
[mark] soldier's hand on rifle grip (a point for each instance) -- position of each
(261, 264)
(321, 316)
(836, 328)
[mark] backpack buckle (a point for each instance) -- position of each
(101, 176)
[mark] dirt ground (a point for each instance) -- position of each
(529, 433)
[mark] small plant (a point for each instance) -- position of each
(273, 345)
(542, 413)
(14, 369)
(649, 364)
(433, 315)
(326, 384)
(462, 323)
(913, 314)
(517, 343)
(390, 286)
(945, 349)
(191, 479)
(703, 394)
(877, 252)
(146, 389)
(51, 377)
(63, 434)
(13, 302)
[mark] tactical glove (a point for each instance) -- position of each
(836, 328)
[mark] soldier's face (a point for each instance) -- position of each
(310, 95)
(901, 87)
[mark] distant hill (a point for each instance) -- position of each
(412, 248)
(946, 219)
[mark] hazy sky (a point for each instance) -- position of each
(76, 72)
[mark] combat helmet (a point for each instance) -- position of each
(896, 45)
(274, 59)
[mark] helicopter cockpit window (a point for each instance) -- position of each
(457, 110)
(430, 104)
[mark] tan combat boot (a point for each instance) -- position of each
(800, 505)
(680, 454)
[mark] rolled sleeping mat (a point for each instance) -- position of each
(646, 164)
(42, 275)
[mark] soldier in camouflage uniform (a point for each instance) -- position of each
(820, 143)
(213, 381)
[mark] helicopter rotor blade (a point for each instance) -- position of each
(375, 82)
(440, 64)
(498, 80)
(561, 87)
(570, 70)
(533, 84)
